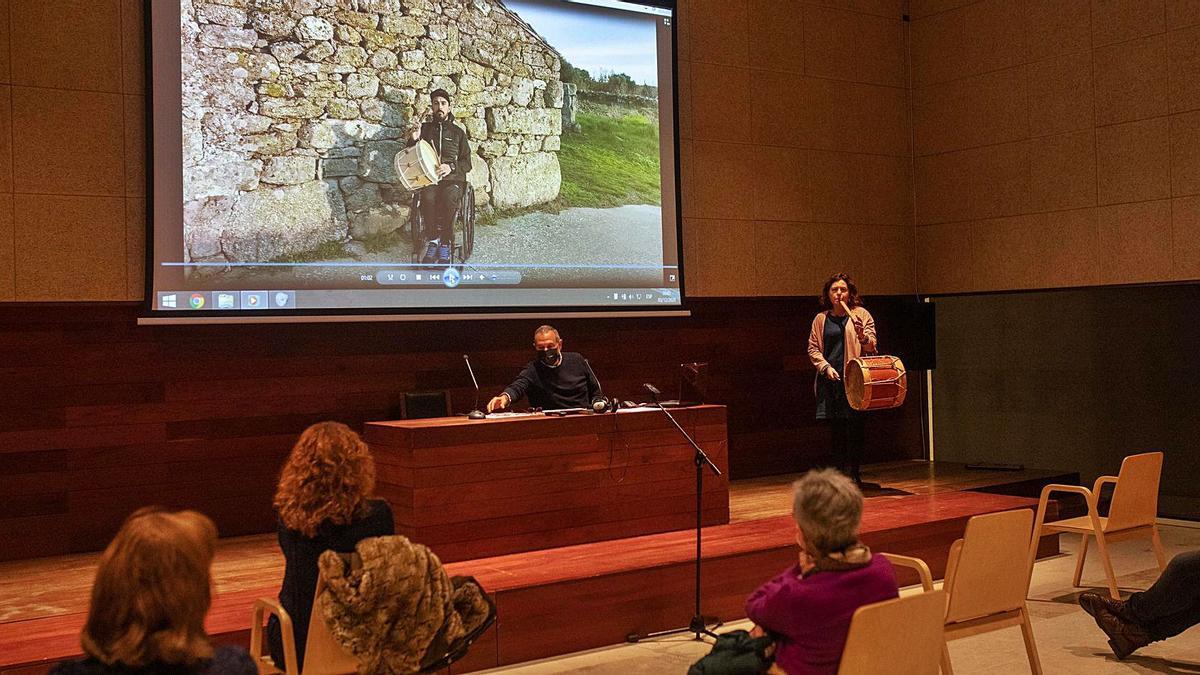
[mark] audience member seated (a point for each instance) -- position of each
(808, 607)
(1166, 609)
(151, 594)
(324, 504)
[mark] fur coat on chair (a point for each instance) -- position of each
(392, 605)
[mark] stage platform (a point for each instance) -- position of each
(560, 600)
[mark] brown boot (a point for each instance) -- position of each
(1090, 601)
(1124, 637)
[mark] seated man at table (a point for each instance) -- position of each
(552, 381)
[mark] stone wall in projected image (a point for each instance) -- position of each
(293, 111)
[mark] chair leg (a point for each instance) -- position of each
(947, 669)
(1108, 568)
(1035, 664)
(1083, 547)
(1158, 548)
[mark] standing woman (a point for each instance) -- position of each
(843, 330)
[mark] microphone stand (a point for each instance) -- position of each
(698, 625)
(600, 391)
(476, 413)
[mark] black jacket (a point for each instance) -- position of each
(570, 385)
(450, 141)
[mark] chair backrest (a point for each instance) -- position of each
(422, 404)
(1135, 498)
(987, 572)
(896, 636)
(322, 654)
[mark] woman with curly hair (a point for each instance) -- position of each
(324, 503)
(151, 594)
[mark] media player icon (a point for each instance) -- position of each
(451, 277)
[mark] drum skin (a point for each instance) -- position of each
(876, 382)
(416, 166)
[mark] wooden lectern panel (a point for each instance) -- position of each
(477, 488)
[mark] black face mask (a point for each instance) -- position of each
(551, 358)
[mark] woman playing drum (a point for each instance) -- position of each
(843, 330)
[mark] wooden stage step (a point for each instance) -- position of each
(562, 600)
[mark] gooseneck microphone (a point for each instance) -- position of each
(476, 413)
(652, 389)
(600, 404)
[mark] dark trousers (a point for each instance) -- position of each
(847, 440)
(1172, 604)
(438, 204)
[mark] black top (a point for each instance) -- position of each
(835, 341)
(226, 660)
(300, 571)
(570, 385)
(831, 395)
(452, 147)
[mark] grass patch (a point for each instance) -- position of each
(613, 161)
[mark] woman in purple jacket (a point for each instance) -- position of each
(808, 606)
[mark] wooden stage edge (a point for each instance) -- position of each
(561, 600)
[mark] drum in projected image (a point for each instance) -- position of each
(876, 382)
(416, 166)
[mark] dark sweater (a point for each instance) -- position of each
(300, 572)
(226, 660)
(570, 385)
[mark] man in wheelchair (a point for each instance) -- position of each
(439, 201)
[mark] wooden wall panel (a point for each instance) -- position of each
(99, 416)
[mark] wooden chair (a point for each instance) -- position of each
(1131, 514)
(987, 581)
(903, 635)
(896, 636)
(322, 654)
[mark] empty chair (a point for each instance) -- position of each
(1131, 514)
(987, 580)
(423, 404)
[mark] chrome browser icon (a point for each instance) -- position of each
(196, 301)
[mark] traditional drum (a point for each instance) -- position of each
(416, 166)
(875, 382)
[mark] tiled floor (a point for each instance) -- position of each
(1068, 640)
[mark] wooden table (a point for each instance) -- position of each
(477, 488)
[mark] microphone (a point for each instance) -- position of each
(601, 404)
(476, 413)
(652, 389)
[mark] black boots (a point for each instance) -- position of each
(1124, 636)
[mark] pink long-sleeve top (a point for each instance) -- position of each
(811, 615)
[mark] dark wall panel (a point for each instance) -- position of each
(1073, 380)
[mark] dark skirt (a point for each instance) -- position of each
(831, 400)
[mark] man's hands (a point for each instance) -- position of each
(497, 402)
(443, 170)
(831, 374)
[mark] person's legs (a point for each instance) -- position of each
(429, 220)
(837, 442)
(449, 196)
(855, 440)
(1172, 604)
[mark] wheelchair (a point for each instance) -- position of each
(462, 233)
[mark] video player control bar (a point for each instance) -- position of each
(450, 277)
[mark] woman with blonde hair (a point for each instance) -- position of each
(324, 501)
(149, 599)
(808, 607)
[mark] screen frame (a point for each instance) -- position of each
(152, 316)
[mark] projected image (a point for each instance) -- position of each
(325, 138)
